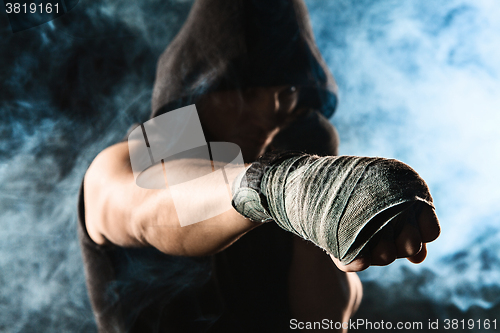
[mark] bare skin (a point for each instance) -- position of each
(318, 289)
(119, 212)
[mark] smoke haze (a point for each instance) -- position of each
(418, 81)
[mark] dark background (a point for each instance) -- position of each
(418, 82)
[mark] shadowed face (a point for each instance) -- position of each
(251, 118)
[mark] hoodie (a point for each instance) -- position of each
(224, 44)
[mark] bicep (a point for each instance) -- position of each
(106, 184)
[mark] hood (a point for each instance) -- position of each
(243, 43)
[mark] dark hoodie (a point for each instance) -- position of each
(243, 43)
(224, 44)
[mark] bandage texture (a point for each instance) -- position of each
(337, 202)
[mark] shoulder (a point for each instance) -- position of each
(111, 166)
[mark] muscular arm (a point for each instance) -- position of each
(118, 211)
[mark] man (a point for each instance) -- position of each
(258, 80)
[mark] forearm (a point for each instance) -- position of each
(208, 236)
(120, 212)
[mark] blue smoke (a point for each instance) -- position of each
(70, 88)
(418, 81)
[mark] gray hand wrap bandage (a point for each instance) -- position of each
(337, 202)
